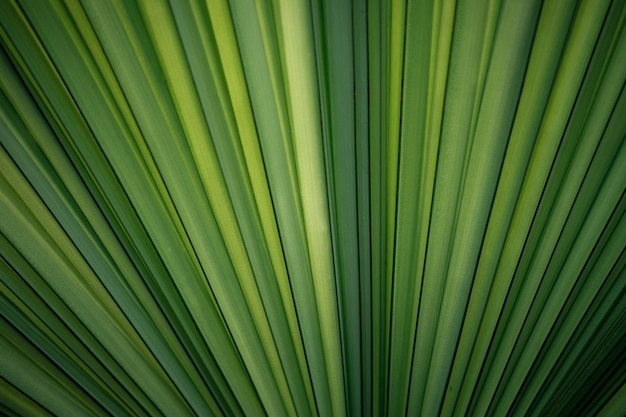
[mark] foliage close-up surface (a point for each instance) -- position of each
(313, 208)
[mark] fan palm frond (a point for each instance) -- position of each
(310, 207)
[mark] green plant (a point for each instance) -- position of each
(275, 207)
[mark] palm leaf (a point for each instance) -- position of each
(312, 207)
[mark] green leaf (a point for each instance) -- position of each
(312, 207)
